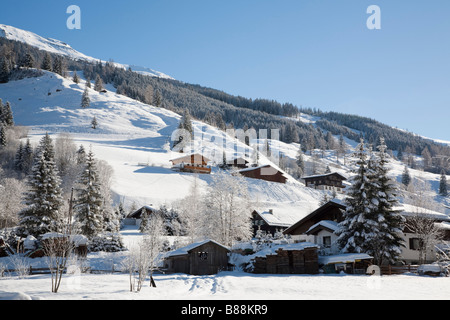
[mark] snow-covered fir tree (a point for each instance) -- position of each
(2, 136)
(443, 188)
(88, 204)
(85, 101)
(358, 227)
(388, 241)
(184, 133)
(406, 178)
(43, 200)
(371, 224)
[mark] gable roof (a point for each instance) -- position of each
(136, 214)
(326, 175)
(191, 157)
(187, 249)
(276, 218)
(335, 202)
(331, 226)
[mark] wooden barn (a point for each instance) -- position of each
(202, 258)
(330, 181)
(266, 172)
(194, 163)
(297, 258)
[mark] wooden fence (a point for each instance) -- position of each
(393, 270)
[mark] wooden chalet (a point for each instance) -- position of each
(297, 258)
(331, 211)
(269, 222)
(194, 163)
(202, 258)
(321, 225)
(330, 181)
(141, 212)
(266, 172)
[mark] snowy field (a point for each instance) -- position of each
(236, 285)
(233, 286)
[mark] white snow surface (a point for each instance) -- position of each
(233, 285)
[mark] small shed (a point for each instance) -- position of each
(296, 258)
(266, 172)
(201, 258)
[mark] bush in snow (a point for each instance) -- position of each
(106, 242)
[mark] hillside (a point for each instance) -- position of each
(134, 139)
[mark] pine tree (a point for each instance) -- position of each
(18, 159)
(300, 161)
(357, 228)
(7, 115)
(88, 82)
(29, 61)
(76, 79)
(157, 99)
(406, 178)
(98, 84)
(85, 101)
(443, 187)
(185, 133)
(44, 199)
(2, 136)
(4, 71)
(88, 205)
(386, 246)
(94, 123)
(47, 63)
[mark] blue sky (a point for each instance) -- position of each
(310, 53)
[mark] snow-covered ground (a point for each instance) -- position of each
(235, 285)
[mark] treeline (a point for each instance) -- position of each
(436, 156)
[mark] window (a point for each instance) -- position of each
(326, 242)
(414, 244)
(203, 256)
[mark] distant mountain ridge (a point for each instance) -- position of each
(62, 48)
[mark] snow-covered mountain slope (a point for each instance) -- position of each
(61, 48)
(134, 138)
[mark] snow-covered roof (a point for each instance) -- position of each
(328, 224)
(343, 258)
(272, 250)
(185, 250)
(410, 210)
(325, 175)
(277, 218)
